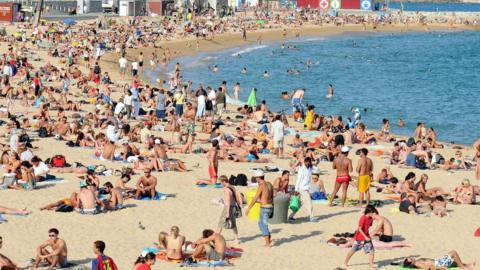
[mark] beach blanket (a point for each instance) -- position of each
(206, 264)
(233, 101)
(217, 185)
(158, 196)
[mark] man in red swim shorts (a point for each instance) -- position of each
(343, 165)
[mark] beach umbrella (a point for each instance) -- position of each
(69, 21)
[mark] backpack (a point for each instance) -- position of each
(42, 132)
(24, 138)
(58, 161)
(241, 180)
(232, 180)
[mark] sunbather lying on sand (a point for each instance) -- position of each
(12, 211)
(450, 260)
(67, 201)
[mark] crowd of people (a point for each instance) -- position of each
(78, 104)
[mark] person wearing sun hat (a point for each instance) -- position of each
(264, 196)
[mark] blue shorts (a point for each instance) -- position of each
(160, 113)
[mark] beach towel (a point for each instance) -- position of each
(217, 185)
(206, 264)
(158, 196)
(403, 267)
(252, 98)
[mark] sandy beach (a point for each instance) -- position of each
(297, 245)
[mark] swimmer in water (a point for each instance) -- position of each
(330, 91)
(265, 74)
(400, 122)
(244, 70)
(214, 68)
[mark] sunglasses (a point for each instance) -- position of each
(52, 235)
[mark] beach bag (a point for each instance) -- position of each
(232, 180)
(24, 138)
(241, 180)
(318, 196)
(42, 132)
(64, 208)
(228, 224)
(58, 161)
(294, 203)
(237, 210)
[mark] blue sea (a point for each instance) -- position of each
(419, 77)
(432, 6)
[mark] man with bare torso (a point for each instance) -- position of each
(115, 202)
(108, 151)
(264, 196)
(57, 257)
(343, 165)
(189, 120)
(384, 229)
(87, 200)
(62, 127)
(146, 185)
(365, 174)
(212, 244)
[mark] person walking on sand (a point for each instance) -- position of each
(343, 165)
(302, 188)
(264, 196)
(102, 262)
(364, 170)
(232, 201)
(361, 239)
(212, 156)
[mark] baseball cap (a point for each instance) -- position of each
(157, 141)
(345, 149)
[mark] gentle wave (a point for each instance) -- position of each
(250, 49)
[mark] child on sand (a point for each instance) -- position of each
(362, 237)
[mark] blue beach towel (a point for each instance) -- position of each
(217, 185)
(158, 196)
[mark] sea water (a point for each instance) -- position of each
(419, 77)
(436, 6)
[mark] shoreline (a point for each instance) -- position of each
(183, 48)
(228, 40)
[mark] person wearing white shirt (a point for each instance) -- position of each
(302, 187)
(135, 68)
(127, 101)
(278, 133)
(123, 62)
(111, 133)
(40, 169)
(119, 108)
(26, 155)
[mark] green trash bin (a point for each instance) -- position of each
(280, 209)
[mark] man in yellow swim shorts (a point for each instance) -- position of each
(364, 170)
